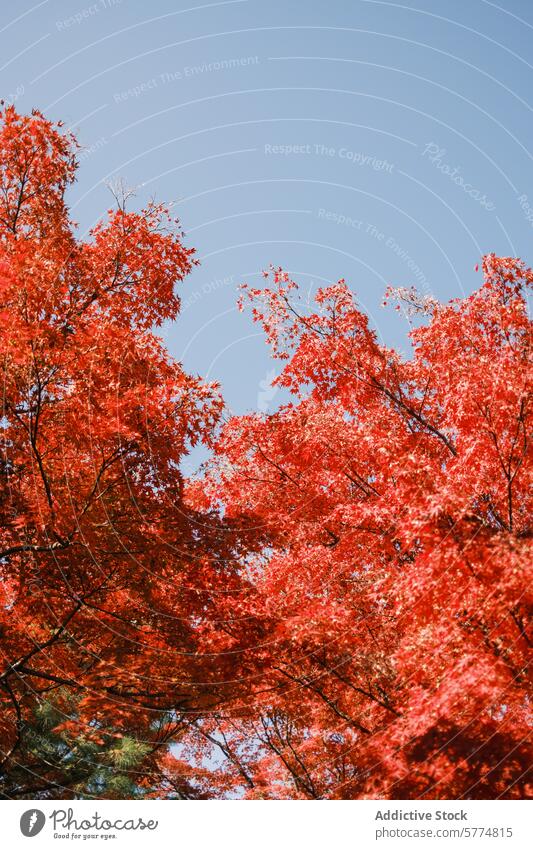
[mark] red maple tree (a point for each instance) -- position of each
(391, 500)
(109, 582)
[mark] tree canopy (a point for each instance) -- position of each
(338, 606)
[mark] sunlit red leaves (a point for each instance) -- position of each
(98, 552)
(340, 607)
(393, 501)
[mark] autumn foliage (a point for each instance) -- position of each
(337, 607)
(107, 581)
(392, 497)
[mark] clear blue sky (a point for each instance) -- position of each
(376, 141)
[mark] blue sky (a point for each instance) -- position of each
(381, 142)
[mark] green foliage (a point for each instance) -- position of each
(51, 764)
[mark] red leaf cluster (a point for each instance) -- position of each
(339, 607)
